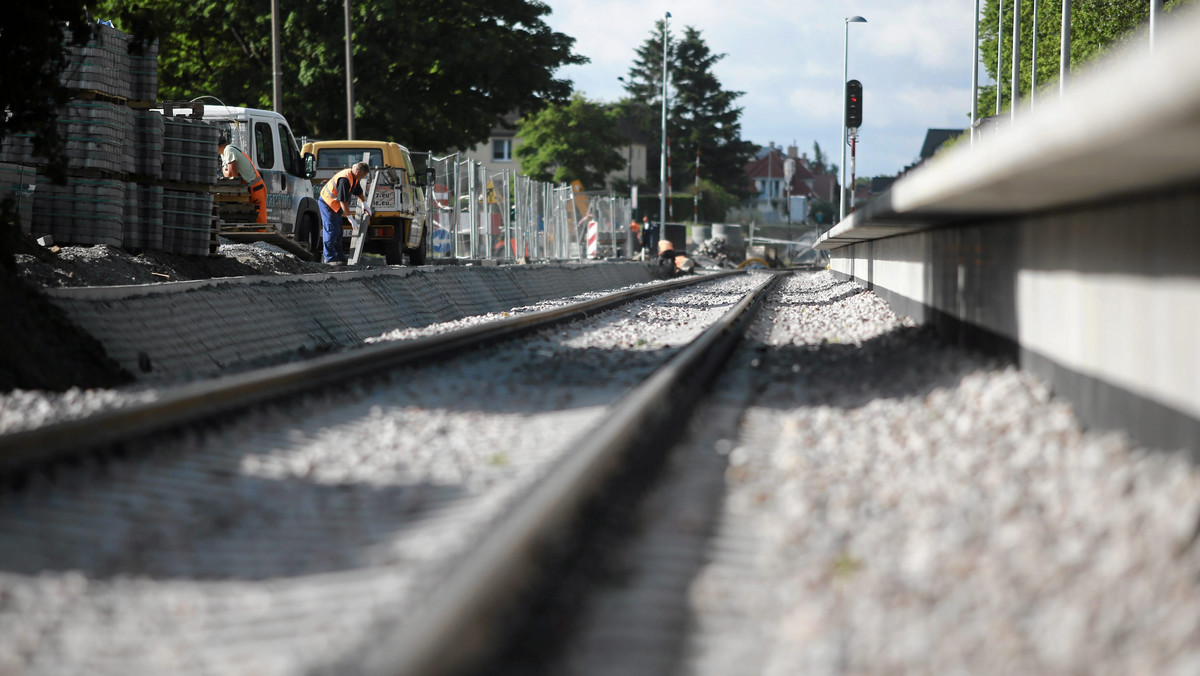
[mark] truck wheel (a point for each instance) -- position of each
(393, 253)
(310, 232)
(417, 256)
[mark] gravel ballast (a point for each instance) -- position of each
(890, 505)
(280, 542)
(885, 504)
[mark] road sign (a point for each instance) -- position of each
(439, 239)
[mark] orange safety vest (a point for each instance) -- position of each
(329, 192)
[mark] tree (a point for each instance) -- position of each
(35, 38)
(572, 141)
(1096, 26)
(818, 164)
(428, 74)
(707, 120)
(701, 116)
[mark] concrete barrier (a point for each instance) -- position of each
(1069, 240)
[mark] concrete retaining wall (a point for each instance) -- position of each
(200, 328)
(1069, 240)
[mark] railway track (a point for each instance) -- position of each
(382, 526)
(847, 477)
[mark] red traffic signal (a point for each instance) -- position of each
(853, 103)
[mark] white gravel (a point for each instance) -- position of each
(890, 506)
(279, 542)
(917, 509)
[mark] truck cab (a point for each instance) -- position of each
(397, 225)
(266, 137)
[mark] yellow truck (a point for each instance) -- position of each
(397, 225)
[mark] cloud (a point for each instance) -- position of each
(913, 59)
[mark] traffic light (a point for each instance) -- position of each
(853, 103)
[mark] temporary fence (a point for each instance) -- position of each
(504, 216)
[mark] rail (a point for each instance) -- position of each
(192, 403)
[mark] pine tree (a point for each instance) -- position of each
(700, 113)
(707, 119)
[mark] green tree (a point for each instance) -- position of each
(644, 86)
(707, 119)
(1096, 26)
(819, 163)
(427, 73)
(701, 115)
(571, 141)
(35, 38)
(715, 201)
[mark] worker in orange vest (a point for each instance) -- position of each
(634, 235)
(673, 262)
(335, 203)
(235, 164)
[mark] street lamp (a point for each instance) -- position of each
(845, 75)
(662, 168)
(629, 157)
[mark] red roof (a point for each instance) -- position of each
(770, 165)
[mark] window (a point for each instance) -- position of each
(264, 145)
(502, 150)
(292, 163)
(341, 158)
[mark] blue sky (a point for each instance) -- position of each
(913, 58)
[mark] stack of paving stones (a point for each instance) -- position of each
(135, 179)
(190, 162)
(18, 182)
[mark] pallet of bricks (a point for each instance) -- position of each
(136, 180)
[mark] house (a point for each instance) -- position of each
(934, 138)
(498, 152)
(634, 154)
(770, 187)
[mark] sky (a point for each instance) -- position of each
(913, 58)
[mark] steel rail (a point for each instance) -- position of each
(192, 403)
(461, 619)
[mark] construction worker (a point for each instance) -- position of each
(650, 235)
(635, 236)
(672, 262)
(235, 164)
(335, 203)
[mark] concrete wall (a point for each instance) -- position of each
(1069, 240)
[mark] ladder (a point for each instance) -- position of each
(360, 229)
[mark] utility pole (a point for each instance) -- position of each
(975, 74)
(276, 75)
(1014, 91)
(349, 78)
(999, 56)
(1064, 50)
(662, 169)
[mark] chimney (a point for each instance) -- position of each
(791, 151)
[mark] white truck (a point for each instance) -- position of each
(293, 221)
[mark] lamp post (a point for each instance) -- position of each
(845, 75)
(1064, 50)
(629, 157)
(349, 78)
(1156, 10)
(975, 74)
(662, 168)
